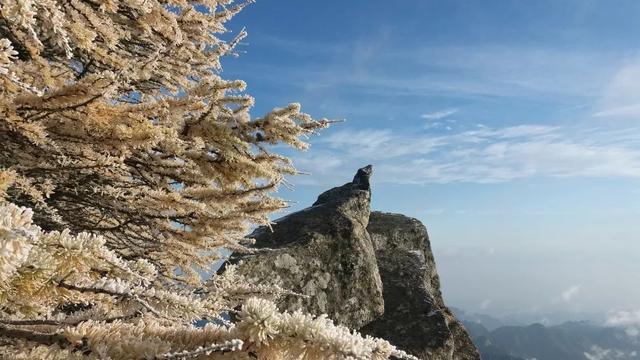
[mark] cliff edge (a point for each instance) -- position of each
(371, 271)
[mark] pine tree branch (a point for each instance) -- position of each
(93, 290)
(38, 337)
(228, 346)
(31, 322)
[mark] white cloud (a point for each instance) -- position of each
(323, 165)
(481, 155)
(433, 125)
(619, 111)
(632, 331)
(377, 144)
(367, 138)
(441, 114)
(627, 319)
(460, 71)
(599, 353)
(620, 97)
(624, 318)
(569, 293)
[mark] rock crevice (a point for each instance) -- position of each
(415, 317)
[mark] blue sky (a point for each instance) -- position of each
(510, 128)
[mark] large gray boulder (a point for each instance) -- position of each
(325, 252)
(415, 317)
(369, 271)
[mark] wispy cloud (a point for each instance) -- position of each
(440, 114)
(460, 71)
(440, 152)
(621, 95)
(569, 293)
(624, 317)
(362, 140)
(600, 353)
(619, 111)
(483, 155)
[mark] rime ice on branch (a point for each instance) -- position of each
(115, 121)
(139, 162)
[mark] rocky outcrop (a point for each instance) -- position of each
(369, 271)
(325, 252)
(415, 317)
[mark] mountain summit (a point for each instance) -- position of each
(371, 271)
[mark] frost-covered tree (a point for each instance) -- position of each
(126, 163)
(115, 121)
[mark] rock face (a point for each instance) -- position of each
(415, 317)
(369, 271)
(325, 252)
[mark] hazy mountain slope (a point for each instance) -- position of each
(569, 341)
(489, 322)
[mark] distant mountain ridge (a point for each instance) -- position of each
(487, 321)
(579, 340)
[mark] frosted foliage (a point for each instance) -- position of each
(116, 121)
(123, 310)
(127, 164)
(7, 54)
(16, 231)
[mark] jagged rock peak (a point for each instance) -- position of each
(361, 179)
(358, 186)
(325, 253)
(370, 271)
